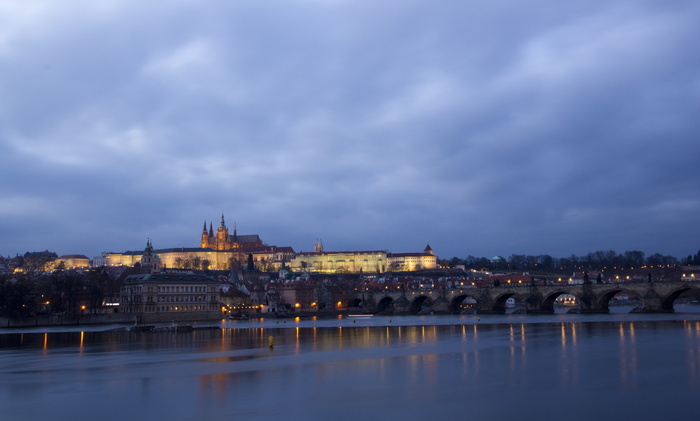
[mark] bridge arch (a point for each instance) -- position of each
(499, 304)
(420, 304)
(456, 307)
(668, 300)
(547, 304)
(385, 305)
(602, 305)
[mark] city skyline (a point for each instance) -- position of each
(481, 129)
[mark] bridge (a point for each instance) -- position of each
(656, 297)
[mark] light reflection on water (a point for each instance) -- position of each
(494, 368)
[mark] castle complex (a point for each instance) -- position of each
(219, 250)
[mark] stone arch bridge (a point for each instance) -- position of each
(538, 299)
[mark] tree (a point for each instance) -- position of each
(196, 262)
(455, 261)
(17, 297)
(634, 258)
(545, 261)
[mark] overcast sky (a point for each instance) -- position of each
(480, 127)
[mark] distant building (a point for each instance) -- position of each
(298, 296)
(373, 261)
(407, 262)
(72, 261)
(169, 293)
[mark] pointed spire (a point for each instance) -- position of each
(211, 229)
(223, 224)
(205, 226)
(235, 232)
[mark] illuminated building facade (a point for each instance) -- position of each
(377, 261)
(71, 261)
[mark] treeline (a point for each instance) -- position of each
(597, 260)
(59, 292)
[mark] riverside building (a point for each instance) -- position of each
(167, 294)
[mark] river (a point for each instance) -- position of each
(561, 366)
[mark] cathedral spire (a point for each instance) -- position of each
(223, 224)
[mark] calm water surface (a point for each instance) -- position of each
(576, 367)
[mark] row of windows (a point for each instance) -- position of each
(160, 309)
(181, 298)
(186, 288)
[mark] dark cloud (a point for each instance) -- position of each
(481, 127)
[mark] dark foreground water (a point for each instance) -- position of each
(619, 367)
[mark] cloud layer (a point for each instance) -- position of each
(479, 127)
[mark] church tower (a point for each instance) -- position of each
(234, 240)
(222, 239)
(150, 262)
(205, 237)
(318, 247)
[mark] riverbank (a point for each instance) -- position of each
(106, 319)
(153, 318)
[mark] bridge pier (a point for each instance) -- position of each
(653, 303)
(441, 305)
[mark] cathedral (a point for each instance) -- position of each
(222, 241)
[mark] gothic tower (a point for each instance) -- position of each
(222, 239)
(212, 239)
(205, 237)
